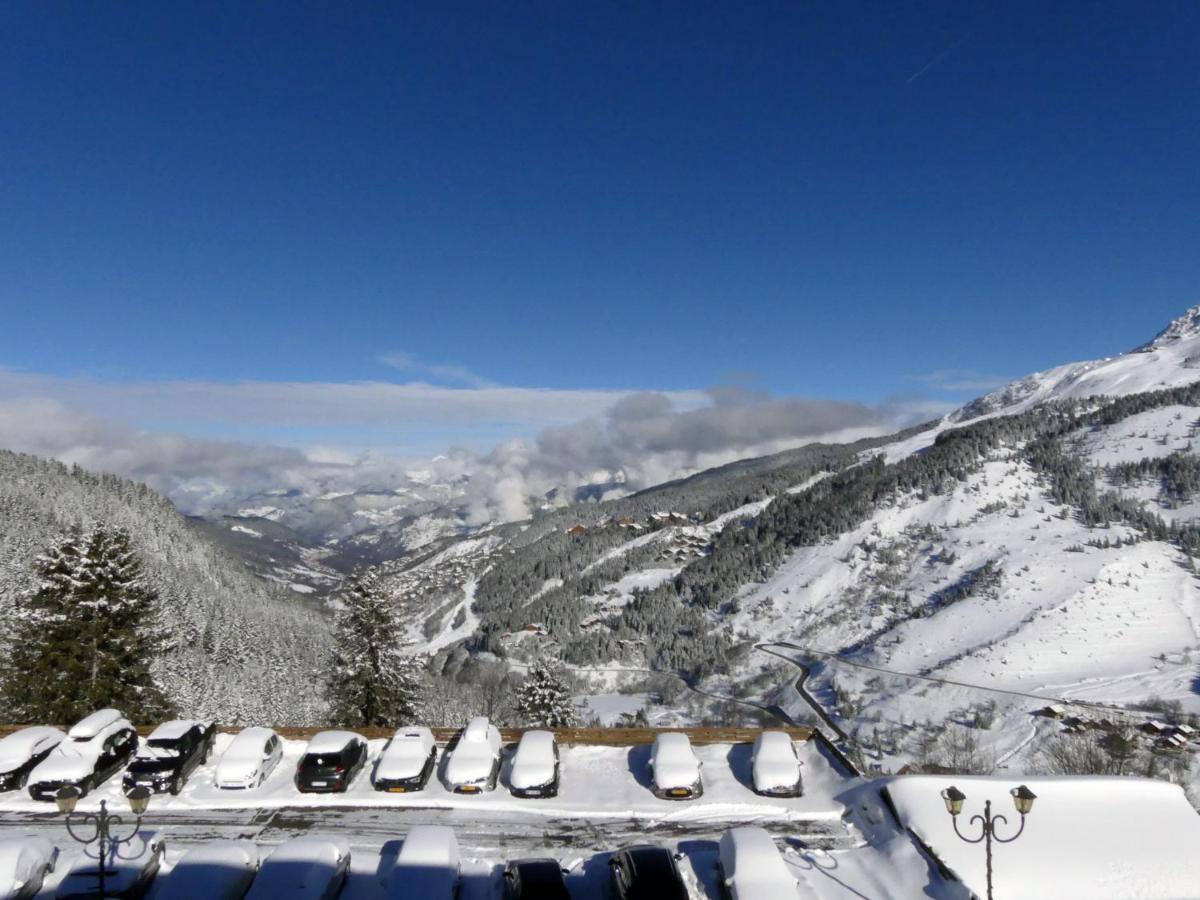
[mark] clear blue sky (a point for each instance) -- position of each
(832, 197)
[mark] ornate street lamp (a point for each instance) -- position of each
(104, 825)
(1023, 799)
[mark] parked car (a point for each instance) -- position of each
(406, 762)
(534, 879)
(330, 762)
(751, 867)
(218, 870)
(24, 862)
(774, 766)
(427, 866)
(249, 759)
(96, 748)
(674, 768)
(305, 868)
(129, 867)
(535, 766)
(646, 873)
(21, 752)
(474, 762)
(172, 752)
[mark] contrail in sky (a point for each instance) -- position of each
(933, 62)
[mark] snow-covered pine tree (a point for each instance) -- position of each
(544, 701)
(86, 637)
(372, 682)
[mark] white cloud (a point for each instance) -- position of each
(407, 362)
(961, 380)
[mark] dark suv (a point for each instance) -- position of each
(172, 752)
(95, 750)
(330, 762)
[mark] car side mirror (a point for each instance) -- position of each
(613, 862)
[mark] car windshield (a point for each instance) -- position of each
(322, 759)
(652, 865)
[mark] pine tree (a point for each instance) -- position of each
(86, 637)
(373, 683)
(544, 701)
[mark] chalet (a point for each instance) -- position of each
(577, 530)
(1156, 726)
(1053, 711)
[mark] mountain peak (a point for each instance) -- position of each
(1186, 326)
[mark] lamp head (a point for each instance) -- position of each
(66, 798)
(954, 800)
(1023, 799)
(139, 799)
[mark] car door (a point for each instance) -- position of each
(273, 755)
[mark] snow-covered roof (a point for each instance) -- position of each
(774, 763)
(1098, 838)
(124, 866)
(405, 755)
(476, 730)
(429, 845)
(173, 730)
(88, 728)
(303, 867)
(18, 747)
(331, 741)
(675, 765)
(23, 860)
(533, 764)
(212, 871)
(750, 860)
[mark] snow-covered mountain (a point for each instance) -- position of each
(1041, 539)
(241, 650)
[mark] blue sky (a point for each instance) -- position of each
(819, 200)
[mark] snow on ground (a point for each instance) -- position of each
(1062, 619)
(1085, 839)
(242, 529)
(611, 708)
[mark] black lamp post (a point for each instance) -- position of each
(104, 824)
(1023, 799)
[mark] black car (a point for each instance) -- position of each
(95, 749)
(330, 762)
(173, 751)
(21, 752)
(534, 879)
(646, 873)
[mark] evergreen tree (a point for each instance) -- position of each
(372, 681)
(86, 637)
(544, 701)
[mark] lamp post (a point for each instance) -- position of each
(1023, 799)
(104, 824)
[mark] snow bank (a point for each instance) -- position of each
(1087, 838)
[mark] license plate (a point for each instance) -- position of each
(398, 790)
(469, 789)
(679, 792)
(320, 784)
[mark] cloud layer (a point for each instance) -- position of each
(551, 439)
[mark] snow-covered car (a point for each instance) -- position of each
(406, 762)
(129, 868)
(330, 762)
(249, 759)
(774, 766)
(218, 870)
(428, 865)
(305, 868)
(24, 862)
(534, 879)
(95, 749)
(646, 873)
(172, 752)
(751, 867)
(535, 766)
(475, 760)
(22, 751)
(674, 768)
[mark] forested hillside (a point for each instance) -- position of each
(240, 650)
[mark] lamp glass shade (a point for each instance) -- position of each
(139, 799)
(66, 798)
(1023, 799)
(954, 800)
